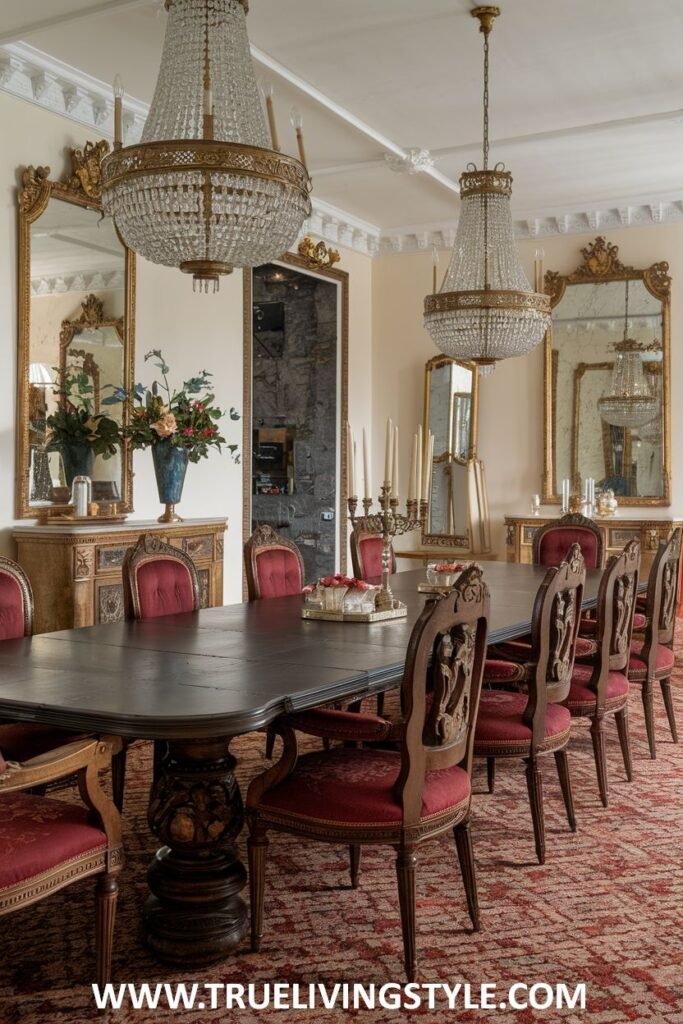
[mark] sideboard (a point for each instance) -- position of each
(616, 532)
(76, 570)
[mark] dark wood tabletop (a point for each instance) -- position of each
(227, 671)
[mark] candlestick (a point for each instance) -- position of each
(412, 489)
(366, 467)
(394, 472)
(428, 481)
(350, 467)
(420, 480)
(565, 495)
(387, 454)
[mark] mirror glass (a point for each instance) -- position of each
(450, 414)
(76, 347)
(587, 347)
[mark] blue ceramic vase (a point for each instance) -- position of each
(170, 466)
(78, 460)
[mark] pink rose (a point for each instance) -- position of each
(166, 425)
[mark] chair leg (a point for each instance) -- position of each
(669, 705)
(600, 754)
(491, 773)
(405, 875)
(562, 762)
(105, 915)
(649, 709)
(270, 743)
(534, 783)
(463, 844)
(118, 777)
(354, 860)
(257, 845)
(621, 719)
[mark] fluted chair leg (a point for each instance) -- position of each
(562, 762)
(534, 782)
(491, 773)
(354, 864)
(406, 862)
(669, 705)
(621, 719)
(600, 754)
(463, 844)
(649, 709)
(106, 895)
(257, 846)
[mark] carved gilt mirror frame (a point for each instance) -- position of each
(317, 261)
(92, 316)
(601, 265)
(452, 539)
(82, 188)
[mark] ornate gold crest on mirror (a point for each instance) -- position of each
(76, 341)
(607, 379)
(458, 512)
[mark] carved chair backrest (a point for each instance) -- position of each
(16, 601)
(366, 555)
(273, 565)
(662, 598)
(552, 541)
(158, 580)
(614, 617)
(554, 629)
(445, 658)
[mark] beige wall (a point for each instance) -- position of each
(511, 404)
(194, 332)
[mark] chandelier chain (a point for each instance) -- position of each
(626, 314)
(486, 101)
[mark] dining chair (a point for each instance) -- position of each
(21, 741)
(527, 719)
(403, 797)
(274, 566)
(47, 844)
(158, 580)
(552, 541)
(599, 686)
(366, 555)
(652, 658)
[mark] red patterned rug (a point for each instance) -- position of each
(606, 909)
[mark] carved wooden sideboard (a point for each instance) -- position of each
(75, 571)
(616, 531)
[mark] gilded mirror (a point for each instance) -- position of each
(607, 379)
(451, 405)
(76, 343)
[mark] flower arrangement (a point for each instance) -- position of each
(335, 582)
(187, 419)
(74, 423)
(451, 567)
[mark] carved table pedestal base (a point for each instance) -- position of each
(195, 914)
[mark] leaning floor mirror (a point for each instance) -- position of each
(296, 404)
(76, 342)
(607, 379)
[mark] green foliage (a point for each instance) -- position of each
(74, 421)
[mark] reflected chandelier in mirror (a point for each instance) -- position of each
(607, 379)
(76, 323)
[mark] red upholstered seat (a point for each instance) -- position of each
(165, 588)
(20, 741)
(500, 720)
(38, 834)
(12, 623)
(580, 694)
(521, 650)
(279, 573)
(499, 671)
(370, 550)
(664, 664)
(554, 545)
(355, 787)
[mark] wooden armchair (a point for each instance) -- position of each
(400, 798)
(158, 580)
(366, 555)
(273, 565)
(600, 683)
(552, 541)
(47, 844)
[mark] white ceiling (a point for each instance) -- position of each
(586, 103)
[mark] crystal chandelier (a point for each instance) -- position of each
(486, 309)
(204, 191)
(629, 402)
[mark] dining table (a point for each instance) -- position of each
(199, 680)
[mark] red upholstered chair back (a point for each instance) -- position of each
(552, 542)
(16, 601)
(273, 565)
(366, 555)
(446, 655)
(662, 597)
(158, 580)
(614, 617)
(554, 629)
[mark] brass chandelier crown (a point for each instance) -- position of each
(486, 309)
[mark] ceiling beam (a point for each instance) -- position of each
(94, 11)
